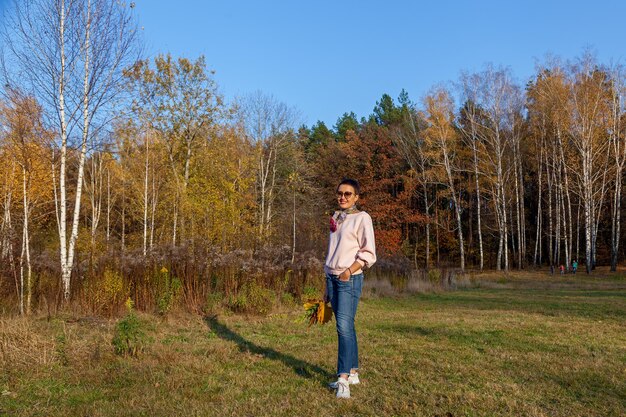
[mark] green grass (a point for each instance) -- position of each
(521, 345)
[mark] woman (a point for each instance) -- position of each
(351, 249)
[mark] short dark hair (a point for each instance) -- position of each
(351, 182)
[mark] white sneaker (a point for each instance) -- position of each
(343, 388)
(353, 379)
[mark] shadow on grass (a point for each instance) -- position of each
(300, 367)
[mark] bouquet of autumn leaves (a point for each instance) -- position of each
(317, 311)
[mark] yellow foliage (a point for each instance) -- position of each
(107, 292)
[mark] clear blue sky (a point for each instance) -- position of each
(329, 57)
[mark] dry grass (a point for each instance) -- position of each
(22, 347)
(521, 349)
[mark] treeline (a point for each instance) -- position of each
(129, 177)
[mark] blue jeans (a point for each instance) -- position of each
(344, 298)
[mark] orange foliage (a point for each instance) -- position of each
(370, 157)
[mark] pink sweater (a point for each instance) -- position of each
(353, 240)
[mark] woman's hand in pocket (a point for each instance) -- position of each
(345, 276)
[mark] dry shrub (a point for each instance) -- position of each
(419, 286)
(379, 288)
(415, 281)
(463, 280)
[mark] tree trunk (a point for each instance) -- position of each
(154, 206)
(66, 268)
(25, 256)
(615, 218)
(522, 199)
(597, 211)
(578, 232)
(427, 210)
(588, 226)
(293, 245)
(550, 235)
(537, 256)
(619, 153)
(6, 244)
(108, 231)
(437, 230)
(478, 203)
(588, 210)
(557, 211)
(497, 209)
(567, 216)
(505, 232)
(83, 151)
(145, 197)
(519, 205)
(457, 209)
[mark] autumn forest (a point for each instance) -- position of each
(126, 176)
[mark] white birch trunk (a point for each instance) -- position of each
(66, 268)
(570, 227)
(83, 150)
(108, 228)
(25, 255)
(478, 200)
(597, 211)
(505, 232)
(619, 153)
(293, 245)
(587, 202)
(536, 258)
(427, 209)
(6, 230)
(557, 209)
(578, 232)
(145, 197)
(497, 209)
(550, 236)
(518, 213)
(154, 206)
(457, 209)
(96, 195)
(566, 244)
(270, 197)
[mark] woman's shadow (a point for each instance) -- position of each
(300, 367)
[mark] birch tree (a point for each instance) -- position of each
(443, 141)
(618, 151)
(69, 54)
(26, 144)
(469, 125)
(94, 183)
(179, 100)
(268, 124)
(500, 99)
(410, 143)
(20, 117)
(548, 114)
(589, 100)
(6, 227)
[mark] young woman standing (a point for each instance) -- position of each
(351, 248)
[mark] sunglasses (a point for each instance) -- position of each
(346, 194)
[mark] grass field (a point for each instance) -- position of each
(522, 345)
